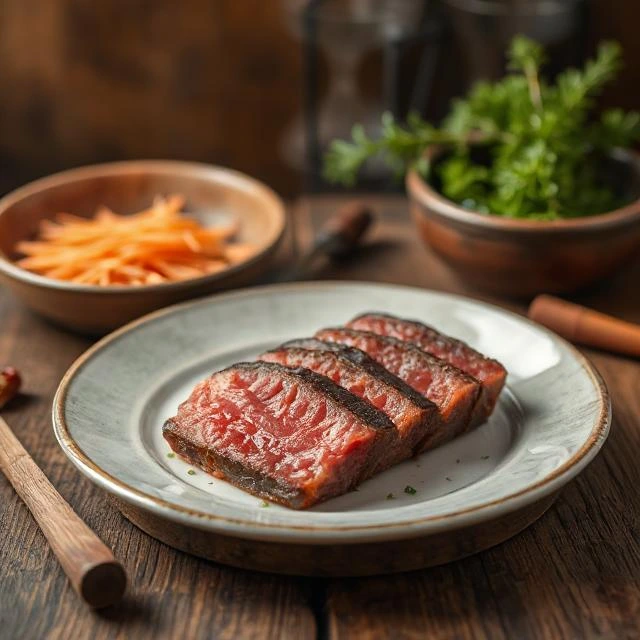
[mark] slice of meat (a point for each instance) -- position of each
(413, 415)
(454, 393)
(489, 372)
(289, 435)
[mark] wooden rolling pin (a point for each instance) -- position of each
(585, 326)
(94, 573)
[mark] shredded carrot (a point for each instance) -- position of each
(159, 244)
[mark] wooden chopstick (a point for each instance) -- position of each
(585, 326)
(95, 574)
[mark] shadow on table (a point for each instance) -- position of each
(574, 573)
(129, 609)
(362, 257)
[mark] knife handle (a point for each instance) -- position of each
(344, 230)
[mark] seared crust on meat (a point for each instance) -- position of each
(426, 327)
(445, 366)
(188, 435)
(453, 391)
(359, 357)
(488, 371)
(366, 412)
(213, 462)
(414, 416)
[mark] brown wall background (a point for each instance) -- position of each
(210, 80)
(84, 81)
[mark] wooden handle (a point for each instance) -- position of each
(585, 326)
(95, 574)
(343, 231)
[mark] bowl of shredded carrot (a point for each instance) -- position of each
(95, 247)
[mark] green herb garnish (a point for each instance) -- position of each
(448, 478)
(171, 454)
(484, 457)
(191, 472)
(390, 496)
(264, 504)
(410, 490)
(521, 147)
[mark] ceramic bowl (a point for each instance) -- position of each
(522, 258)
(212, 194)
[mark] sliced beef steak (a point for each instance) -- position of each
(454, 393)
(414, 416)
(290, 435)
(489, 372)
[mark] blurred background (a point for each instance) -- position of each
(260, 86)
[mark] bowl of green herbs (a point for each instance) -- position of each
(522, 189)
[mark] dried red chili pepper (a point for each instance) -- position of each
(10, 382)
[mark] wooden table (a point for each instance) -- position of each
(574, 574)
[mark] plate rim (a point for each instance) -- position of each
(327, 534)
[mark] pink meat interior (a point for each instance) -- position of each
(489, 372)
(276, 426)
(449, 349)
(443, 385)
(359, 382)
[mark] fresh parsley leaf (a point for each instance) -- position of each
(524, 53)
(519, 147)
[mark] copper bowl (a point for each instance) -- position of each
(517, 257)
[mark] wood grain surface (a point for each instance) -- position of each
(214, 80)
(574, 574)
(87, 82)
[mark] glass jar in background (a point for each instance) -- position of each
(344, 31)
(482, 30)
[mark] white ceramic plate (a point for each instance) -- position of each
(550, 422)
